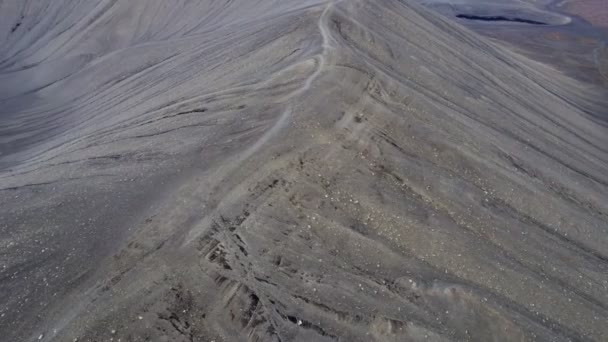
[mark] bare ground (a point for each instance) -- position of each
(292, 171)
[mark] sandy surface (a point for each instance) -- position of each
(544, 30)
(292, 171)
(595, 11)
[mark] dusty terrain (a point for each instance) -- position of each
(565, 34)
(259, 170)
(595, 11)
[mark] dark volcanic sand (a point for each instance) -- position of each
(260, 170)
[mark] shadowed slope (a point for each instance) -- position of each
(352, 170)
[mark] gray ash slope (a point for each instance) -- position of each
(292, 171)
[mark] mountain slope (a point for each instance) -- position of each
(287, 170)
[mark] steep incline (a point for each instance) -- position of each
(292, 171)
